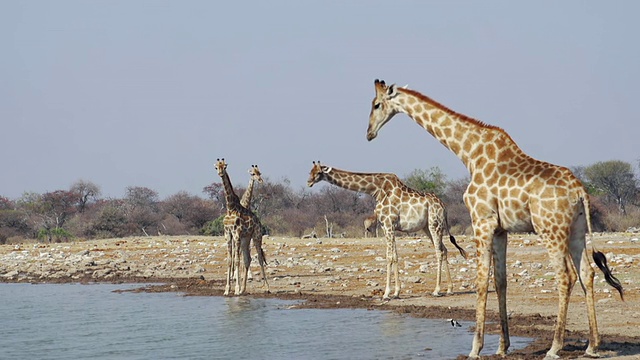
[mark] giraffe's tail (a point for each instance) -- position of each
(261, 258)
(601, 262)
(453, 241)
(598, 257)
(451, 238)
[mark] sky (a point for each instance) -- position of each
(150, 93)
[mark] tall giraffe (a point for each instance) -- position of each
(240, 226)
(256, 176)
(400, 208)
(371, 225)
(509, 192)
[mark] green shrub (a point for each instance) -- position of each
(214, 227)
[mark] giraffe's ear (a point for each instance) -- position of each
(326, 169)
(392, 91)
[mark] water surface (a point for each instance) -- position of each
(73, 321)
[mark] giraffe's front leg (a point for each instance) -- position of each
(236, 263)
(500, 276)
(396, 293)
(389, 244)
(227, 288)
(483, 246)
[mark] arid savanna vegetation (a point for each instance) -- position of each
(81, 213)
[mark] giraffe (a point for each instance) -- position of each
(240, 226)
(400, 208)
(509, 192)
(371, 225)
(256, 176)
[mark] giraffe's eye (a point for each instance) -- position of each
(376, 106)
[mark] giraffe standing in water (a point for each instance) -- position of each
(398, 208)
(240, 226)
(509, 192)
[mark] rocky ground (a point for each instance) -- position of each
(330, 273)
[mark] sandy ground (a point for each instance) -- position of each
(330, 273)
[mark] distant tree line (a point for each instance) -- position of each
(80, 212)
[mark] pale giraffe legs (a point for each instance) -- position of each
(246, 262)
(443, 263)
(484, 239)
(236, 263)
(392, 265)
(230, 257)
(587, 274)
(257, 243)
(578, 251)
(565, 279)
(500, 277)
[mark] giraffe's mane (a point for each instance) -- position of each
(363, 173)
(393, 177)
(448, 110)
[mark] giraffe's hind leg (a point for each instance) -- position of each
(565, 279)
(441, 257)
(578, 252)
(246, 262)
(257, 243)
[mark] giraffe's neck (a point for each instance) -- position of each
(368, 183)
(469, 139)
(246, 197)
(233, 203)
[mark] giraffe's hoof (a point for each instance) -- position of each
(591, 354)
(436, 294)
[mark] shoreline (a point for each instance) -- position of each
(349, 273)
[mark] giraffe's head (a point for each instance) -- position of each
(255, 173)
(317, 173)
(382, 109)
(221, 166)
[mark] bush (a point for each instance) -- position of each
(54, 235)
(214, 227)
(617, 222)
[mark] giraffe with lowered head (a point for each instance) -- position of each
(240, 227)
(398, 208)
(371, 225)
(509, 192)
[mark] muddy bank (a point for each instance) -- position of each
(350, 273)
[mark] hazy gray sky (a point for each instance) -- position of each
(150, 93)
